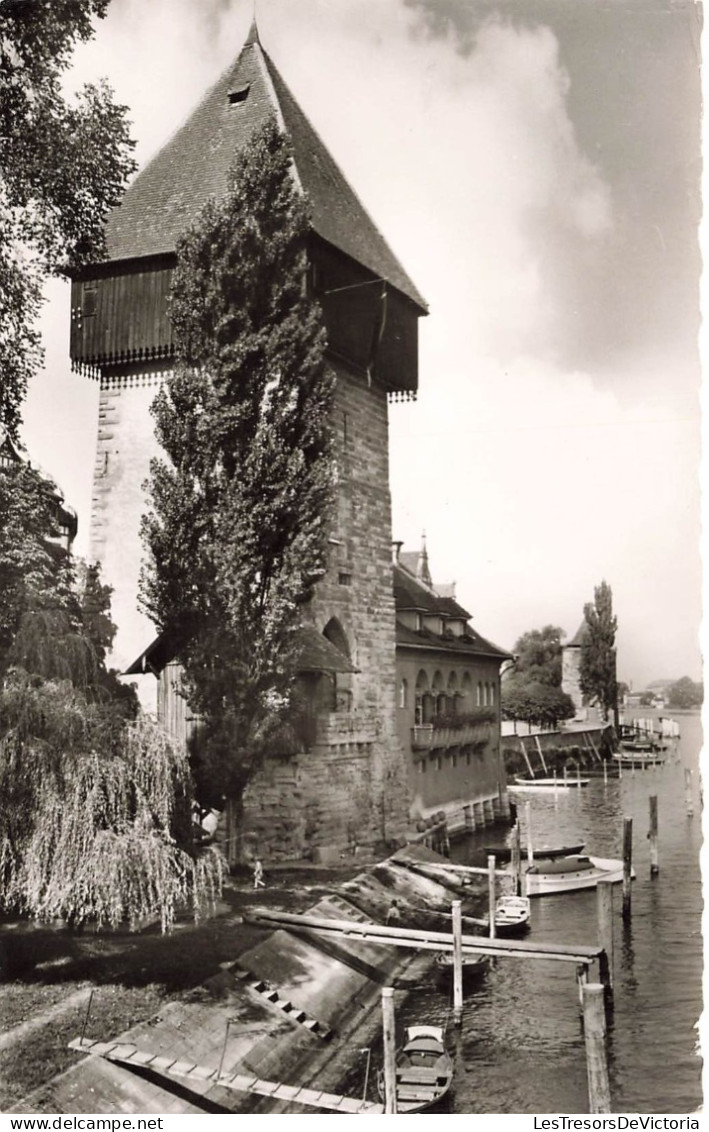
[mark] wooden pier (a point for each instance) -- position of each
(422, 940)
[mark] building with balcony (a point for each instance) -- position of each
(448, 700)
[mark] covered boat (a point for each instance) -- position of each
(568, 874)
(424, 1070)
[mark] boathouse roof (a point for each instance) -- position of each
(193, 166)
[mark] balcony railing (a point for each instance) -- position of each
(427, 737)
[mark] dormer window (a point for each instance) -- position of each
(239, 94)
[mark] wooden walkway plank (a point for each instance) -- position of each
(187, 1070)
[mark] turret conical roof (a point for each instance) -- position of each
(193, 165)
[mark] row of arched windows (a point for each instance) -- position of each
(439, 696)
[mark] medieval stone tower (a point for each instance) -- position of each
(348, 780)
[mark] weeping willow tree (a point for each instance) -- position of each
(95, 818)
(95, 801)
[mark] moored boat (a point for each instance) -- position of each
(512, 914)
(639, 758)
(473, 965)
(503, 853)
(569, 874)
(546, 784)
(424, 1070)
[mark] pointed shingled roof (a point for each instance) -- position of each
(579, 638)
(193, 165)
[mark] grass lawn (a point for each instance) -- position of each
(52, 973)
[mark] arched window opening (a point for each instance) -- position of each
(466, 686)
(420, 694)
(342, 682)
(403, 694)
(428, 708)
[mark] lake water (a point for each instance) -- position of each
(520, 1048)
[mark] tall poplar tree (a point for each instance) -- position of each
(598, 654)
(237, 531)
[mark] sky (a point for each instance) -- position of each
(535, 165)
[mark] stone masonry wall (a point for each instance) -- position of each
(355, 778)
(571, 676)
(125, 445)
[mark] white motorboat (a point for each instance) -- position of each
(512, 915)
(569, 874)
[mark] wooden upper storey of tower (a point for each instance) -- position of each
(119, 307)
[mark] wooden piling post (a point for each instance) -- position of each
(581, 979)
(526, 757)
(457, 919)
(528, 822)
(688, 801)
(517, 859)
(596, 1053)
(652, 835)
(605, 772)
(389, 1040)
(492, 896)
(594, 1028)
(541, 754)
(604, 894)
(627, 865)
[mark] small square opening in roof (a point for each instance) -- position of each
(239, 94)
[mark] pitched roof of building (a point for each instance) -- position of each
(410, 594)
(193, 165)
(470, 644)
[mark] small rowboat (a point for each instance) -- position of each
(567, 783)
(512, 914)
(474, 967)
(424, 1070)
